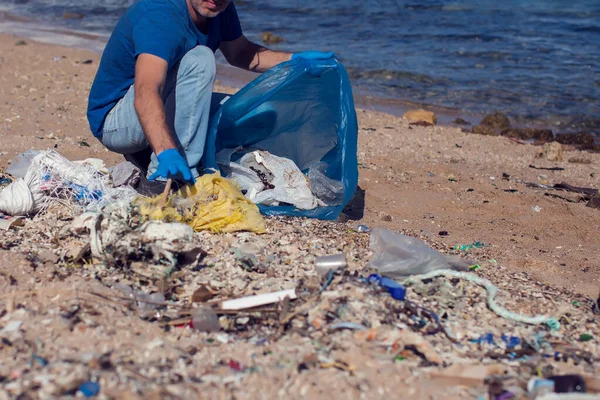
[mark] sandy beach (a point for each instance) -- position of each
(438, 183)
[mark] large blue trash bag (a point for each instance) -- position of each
(302, 110)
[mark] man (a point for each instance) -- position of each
(153, 89)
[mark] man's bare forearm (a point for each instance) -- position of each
(151, 113)
(257, 58)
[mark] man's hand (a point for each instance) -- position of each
(172, 165)
(312, 55)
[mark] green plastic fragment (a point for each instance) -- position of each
(585, 337)
(467, 247)
(493, 261)
(399, 358)
(474, 267)
(576, 304)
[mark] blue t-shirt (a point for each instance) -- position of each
(162, 28)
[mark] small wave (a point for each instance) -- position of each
(587, 29)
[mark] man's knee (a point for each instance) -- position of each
(199, 59)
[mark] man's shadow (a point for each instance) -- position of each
(355, 210)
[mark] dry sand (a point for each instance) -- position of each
(419, 180)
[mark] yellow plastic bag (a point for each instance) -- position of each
(214, 203)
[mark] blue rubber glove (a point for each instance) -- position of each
(313, 55)
(172, 165)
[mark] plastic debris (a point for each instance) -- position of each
(329, 191)
(585, 337)
(488, 338)
(334, 262)
(511, 341)
(236, 366)
(204, 319)
(536, 209)
(270, 180)
(539, 387)
(397, 291)
(7, 221)
(396, 255)
(491, 294)
(363, 229)
(124, 174)
(89, 389)
(40, 360)
(469, 247)
(213, 204)
(51, 178)
(348, 325)
(257, 300)
(18, 168)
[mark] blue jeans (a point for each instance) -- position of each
(189, 105)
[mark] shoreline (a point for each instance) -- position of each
(23, 27)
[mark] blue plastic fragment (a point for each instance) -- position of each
(511, 341)
(40, 360)
(397, 291)
(89, 389)
(488, 338)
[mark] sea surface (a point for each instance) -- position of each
(538, 61)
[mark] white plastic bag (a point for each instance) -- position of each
(269, 179)
(23, 196)
(399, 256)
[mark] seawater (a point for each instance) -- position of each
(536, 60)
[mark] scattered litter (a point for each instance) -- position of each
(363, 229)
(12, 326)
(469, 247)
(39, 360)
(397, 291)
(257, 300)
(397, 255)
(348, 325)
(46, 178)
(537, 387)
(536, 209)
(335, 262)
(213, 204)
(7, 221)
(546, 168)
(268, 179)
(585, 337)
(204, 319)
(124, 174)
(491, 294)
(329, 191)
(89, 389)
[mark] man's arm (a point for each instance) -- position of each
(245, 54)
(150, 76)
